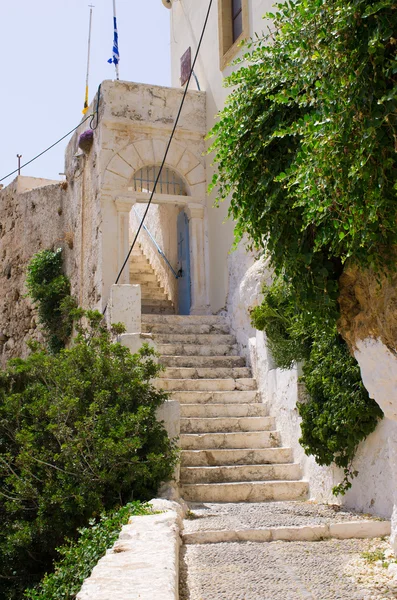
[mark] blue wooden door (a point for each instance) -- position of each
(184, 282)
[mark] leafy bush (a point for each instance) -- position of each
(338, 413)
(78, 558)
(306, 145)
(49, 289)
(78, 435)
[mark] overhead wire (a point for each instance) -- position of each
(94, 115)
(166, 150)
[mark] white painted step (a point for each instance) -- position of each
(228, 474)
(202, 361)
(222, 410)
(214, 397)
(249, 439)
(208, 373)
(138, 278)
(185, 320)
(156, 294)
(227, 424)
(155, 309)
(250, 456)
(206, 385)
(253, 491)
(198, 328)
(197, 349)
(195, 338)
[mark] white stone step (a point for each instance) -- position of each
(139, 262)
(151, 285)
(253, 491)
(249, 439)
(227, 474)
(192, 338)
(208, 373)
(155, 310)
(195, 328)
(222, 410)
(203, 361)
(208, 397)
(197, 349)
(139, 278)
(226, 424)
(187, 320)
(205, 385)
(140, 271)
(160, 302)
(250, 456)
(153, 294)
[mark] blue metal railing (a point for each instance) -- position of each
(159, 250)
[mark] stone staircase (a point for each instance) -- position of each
(231, 450)
(154, 298)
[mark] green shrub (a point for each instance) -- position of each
(78, 435)
(49, 289)
(338, 413)
(79, 557)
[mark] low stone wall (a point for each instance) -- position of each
(144, 562)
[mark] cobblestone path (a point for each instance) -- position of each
(275, 571)
(278, 570)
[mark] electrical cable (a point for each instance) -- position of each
(92, 117)
(166, 151)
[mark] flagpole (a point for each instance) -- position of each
(88, 62)
(116, 64)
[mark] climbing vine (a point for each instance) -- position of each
(49, 289)
(337, 413)
(305, 150)
(306, 145)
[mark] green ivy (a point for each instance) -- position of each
(338, 413)
(49, 289)
(305, 151)
(78, 558)
(78, 436)
(306, 145)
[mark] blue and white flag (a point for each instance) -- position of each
(116, 55)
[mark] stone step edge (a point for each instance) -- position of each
(302, 533)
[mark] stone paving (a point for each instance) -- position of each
(321, 570)
(275, 571)
(210, 516)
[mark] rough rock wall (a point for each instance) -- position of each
(373, 489)
(30, 221)
(368, 303)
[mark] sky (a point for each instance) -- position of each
(43, 50)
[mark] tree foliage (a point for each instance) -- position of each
(306, 145)
(78, 435)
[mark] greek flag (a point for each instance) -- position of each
(116, 55)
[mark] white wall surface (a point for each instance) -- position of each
(187, 19)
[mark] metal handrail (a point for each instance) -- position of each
(159, 250)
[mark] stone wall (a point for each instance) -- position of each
(31, 219)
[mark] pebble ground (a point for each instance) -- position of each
(324, 570)
(275, 571)
(265, 514)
